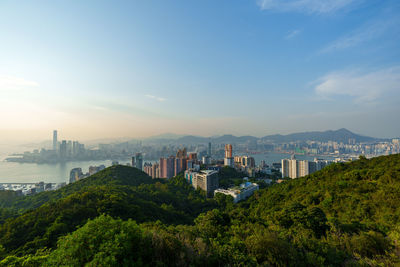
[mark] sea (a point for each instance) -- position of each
(13, 172)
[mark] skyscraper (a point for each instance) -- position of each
(181, 161)
(285, 168)
(228, 151)
(209, 149)
(193, 156)
(63, 149)
(167, 167)
(55, 140)
(133, 164)
(179, 165)
(228, 160)
(155, 170)
(139, 161)
(76, 148)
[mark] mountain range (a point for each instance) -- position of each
(340, 135)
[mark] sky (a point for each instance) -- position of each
(108, 69)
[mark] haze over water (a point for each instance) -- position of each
(12, 172)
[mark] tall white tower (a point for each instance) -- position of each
(55, 140)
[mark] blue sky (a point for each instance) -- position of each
(96, 69)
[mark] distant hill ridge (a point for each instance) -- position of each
(340, 135)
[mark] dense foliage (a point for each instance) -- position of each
(345, 215)
(115, 175)
(119, 191)
(229, 177)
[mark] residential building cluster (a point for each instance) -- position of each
(294, 168)
(205, 179)
(340, 148)
(76, 174)
(30, 188)
(169, 167)
(245, 164)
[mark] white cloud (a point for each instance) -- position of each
(306, 6)
(160, 99)
(9, 83)
(292, 34)
(363, 34)
(363, 87)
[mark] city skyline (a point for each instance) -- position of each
(139, 69)
(206, 139)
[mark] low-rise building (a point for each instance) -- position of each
(239, 193)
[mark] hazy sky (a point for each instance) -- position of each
(95, 69)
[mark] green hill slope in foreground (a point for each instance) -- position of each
(345, 215)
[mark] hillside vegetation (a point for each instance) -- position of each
(118, 191)
(345, 215)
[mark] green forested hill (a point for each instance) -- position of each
(115, 175)
(345, 215)
(364, 194)
(118, 191)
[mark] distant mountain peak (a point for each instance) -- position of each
(344, 130)
(340, 135)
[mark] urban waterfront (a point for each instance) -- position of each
(13, 172)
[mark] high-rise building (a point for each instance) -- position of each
(302, 168)
(189, 176)
(63, 149)
(179, 165)
(55, 140)
(228, 151)
(206, 160)
(180, 162)
(75, 175)
(133, 163)
(294, 168)
(96, 169)
(312, 166)
(245, 161)
(155, 170)
(228, 160)
(285, 168)
(209, 149)
(139, 161)
(206, 180)
(69, 148)
(167, 169)
(75, 148)
(190, 164)
(193, 156)
(182, 153)
(148, 169)
(293, 173)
